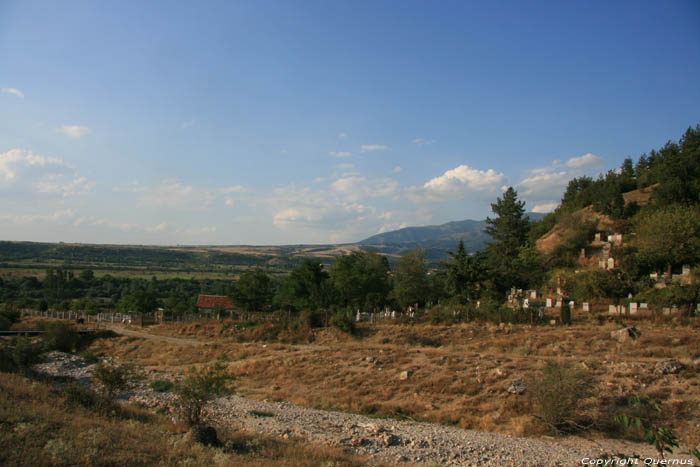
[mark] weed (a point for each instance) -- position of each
(556, 393)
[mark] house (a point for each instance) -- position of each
(207, 303)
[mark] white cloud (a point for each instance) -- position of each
(374, 147)
(76, 186)
(56, 217)
(423, 141)
(174, 194)
(344, 166)
(13, 91)
(74, 131)
(342, 134)
(340, 154)
(329, 214)
(355, 188)
(21, 169)
(130, 227)
(233, 189)
(157, 228)
(456, 183)
(187, 124)
(210, 229)
(16, 161)
(230, 203)
(584, 161)
(544, 184)
(397, 169)
(545, 207)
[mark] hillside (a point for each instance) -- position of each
(436, 240)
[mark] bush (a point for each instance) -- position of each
(60, 336)
(162, 385)
(113, 377)
(199, 387)
(5, 323)
(79, 395)
(26, 353)
(557, 392)
(7, 361)
(565, 313)
(343, 322)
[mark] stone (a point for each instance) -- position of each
(666, 367)
(387, 439)
(202, 434)
(625, 334)
(404, 375)
(517, 386)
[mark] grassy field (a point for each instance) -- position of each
(41, 426)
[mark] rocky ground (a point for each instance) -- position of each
(395, 442)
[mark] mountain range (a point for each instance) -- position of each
(436, 240)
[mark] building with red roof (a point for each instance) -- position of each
(209, 302)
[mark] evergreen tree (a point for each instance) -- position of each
(464, 274)
(510, 228)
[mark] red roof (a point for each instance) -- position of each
(210, 301)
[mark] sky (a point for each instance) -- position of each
(285, 122)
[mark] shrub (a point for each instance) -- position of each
(557, 392)
(113, 377)
(79, 395)
(162, 385)
(26, 353)
(343, 322)
(661, 437)
(565, 313)
(60, 336)
(7, 361)
(4, 322)
(199, 387)
(89, 357)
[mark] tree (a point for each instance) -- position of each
(306, 288)
(361, 279)
(510, 228)
(198, 388)
(411, 279)
(669, 236)
(253, 290)
(464, 273)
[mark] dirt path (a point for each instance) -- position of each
(146, 335)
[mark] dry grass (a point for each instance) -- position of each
(38, 427)
(459, 374)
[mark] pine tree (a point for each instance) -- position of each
(510, 228)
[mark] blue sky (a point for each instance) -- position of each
(264, 122)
